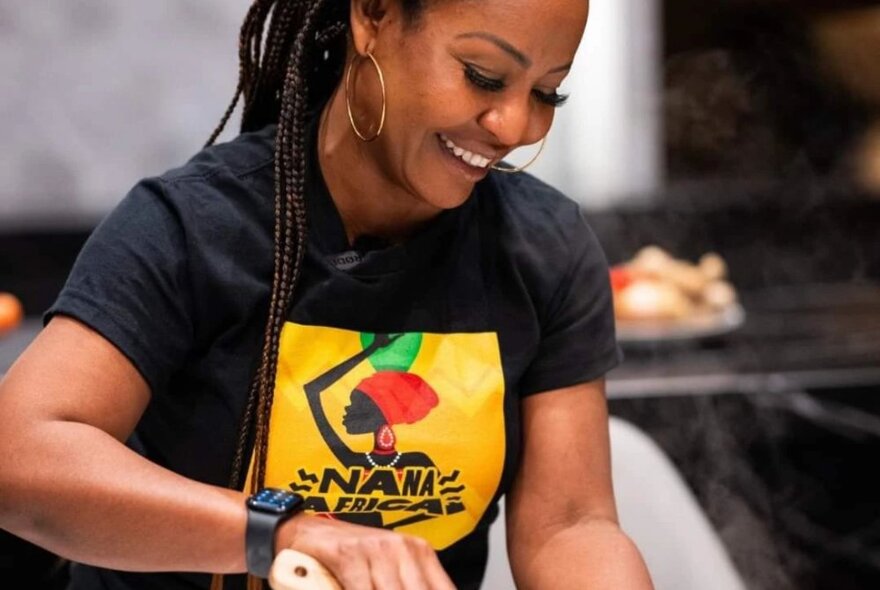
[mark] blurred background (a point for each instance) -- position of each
(748, 130)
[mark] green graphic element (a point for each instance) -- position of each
(397, 356)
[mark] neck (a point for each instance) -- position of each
(382, 452)
(368, 201)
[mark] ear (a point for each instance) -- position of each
(367, 18)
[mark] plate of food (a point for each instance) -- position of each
(659, 297)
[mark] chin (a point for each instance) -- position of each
(441, 191)
(449, 197)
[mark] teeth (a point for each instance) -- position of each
(466, 156)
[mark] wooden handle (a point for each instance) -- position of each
(293, 570)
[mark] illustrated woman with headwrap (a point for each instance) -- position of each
(378, 402)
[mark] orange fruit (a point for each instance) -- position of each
(11, 312)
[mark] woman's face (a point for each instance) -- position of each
(362, 415)
(473, 75)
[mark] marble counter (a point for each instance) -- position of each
(776, 428)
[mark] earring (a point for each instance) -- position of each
(386, 438)
(511, 170)
(348, 98)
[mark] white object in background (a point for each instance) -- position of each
(658, 512)
(662, 516)
(605, 146)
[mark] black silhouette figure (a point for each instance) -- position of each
(377, 403)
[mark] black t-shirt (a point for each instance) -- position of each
(401, 367)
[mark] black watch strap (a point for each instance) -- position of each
(260, 540)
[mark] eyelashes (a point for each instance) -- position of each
(481, 81)
(553, 99)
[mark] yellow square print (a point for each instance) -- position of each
(401, 431)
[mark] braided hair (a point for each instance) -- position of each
(291, 57)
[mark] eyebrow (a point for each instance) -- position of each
(515, 53)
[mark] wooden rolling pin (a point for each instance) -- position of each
(293, 570)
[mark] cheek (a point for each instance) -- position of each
(428, 91)
(541, 124)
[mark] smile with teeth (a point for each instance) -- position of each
(468, 157)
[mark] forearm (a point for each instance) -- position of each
(593, 554)
(81, 494)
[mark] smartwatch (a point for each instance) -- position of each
(266, 510)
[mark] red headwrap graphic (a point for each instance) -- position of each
(403, 398)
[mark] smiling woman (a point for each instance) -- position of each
(353, 303)
(456, 99)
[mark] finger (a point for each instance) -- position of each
(412, 574)
(384, 570)
(437, 577)
(353, 570)
(433, 571)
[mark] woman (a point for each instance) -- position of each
(158, 390)
(378, 402)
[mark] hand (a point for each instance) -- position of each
(381, 340)
(366, 558)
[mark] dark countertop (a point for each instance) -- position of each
(813, 336)
(777, 454)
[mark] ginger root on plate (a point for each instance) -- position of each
(654, 285)
(652, 299)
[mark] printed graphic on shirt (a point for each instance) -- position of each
(400, 431)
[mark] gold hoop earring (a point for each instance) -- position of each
(348, 98)
(526, 165)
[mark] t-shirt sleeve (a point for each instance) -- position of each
(578, 342)
(130, 283)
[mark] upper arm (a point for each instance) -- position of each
(561, 509)
(70, 373)
(565, 471)
(119, 327)
(116, 334)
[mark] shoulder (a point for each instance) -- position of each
(226, 178)
(222, 186)
(247, 154)
(535, 219)
(533, 209)
(213, 211)
(542, 236)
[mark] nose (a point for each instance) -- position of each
(513, 122)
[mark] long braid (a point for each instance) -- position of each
(290, 158)
(264, 105)
(258, 11)
(275, 86)
(301, 64)
(247, 60)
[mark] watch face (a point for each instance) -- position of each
(275, 500)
